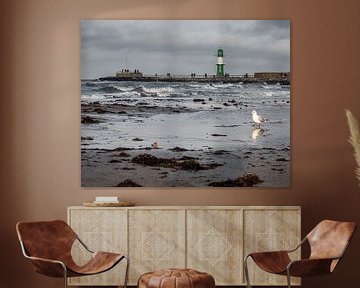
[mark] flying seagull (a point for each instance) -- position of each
(257, 118)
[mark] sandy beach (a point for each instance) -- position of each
(184, 135)
(111, 167)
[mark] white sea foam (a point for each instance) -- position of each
(158, 90)
(210, 87)
(93, 97)
(194, 85)
(225, 85)
(129, 93)
(125, 89)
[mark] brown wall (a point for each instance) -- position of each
(40, 116)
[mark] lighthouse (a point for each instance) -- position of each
(220, 63)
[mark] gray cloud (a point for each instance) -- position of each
(183, 47)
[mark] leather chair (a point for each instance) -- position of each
(328, 242)
(48, 245)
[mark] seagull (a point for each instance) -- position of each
(154, 145)
(257, 118)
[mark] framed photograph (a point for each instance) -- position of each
(185, 103)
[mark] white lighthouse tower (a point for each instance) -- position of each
(220, 63)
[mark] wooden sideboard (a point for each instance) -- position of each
(212, 239)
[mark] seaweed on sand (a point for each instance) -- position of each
(127, 183)
(153, 161)
(245, 180)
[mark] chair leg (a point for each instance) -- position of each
(288, 278)
(127, 271)
(65, 276)
(246, 270)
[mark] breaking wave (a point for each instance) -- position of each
(92, 97)
(109, 89)
(158, 90)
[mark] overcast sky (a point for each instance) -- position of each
(183, 47)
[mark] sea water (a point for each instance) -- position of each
(219, 118)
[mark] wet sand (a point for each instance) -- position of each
(110, 167)
(200, 142)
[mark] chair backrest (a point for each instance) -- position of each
(329, 239)
(46, 239)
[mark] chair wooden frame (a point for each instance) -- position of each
(55, 264)
(315, 265)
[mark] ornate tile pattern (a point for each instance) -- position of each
(270, 230)
(99, 240)
(156, 246)
(270, 240)
(101, 230)
(157, 241)
(214, 244)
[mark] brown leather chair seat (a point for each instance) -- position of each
(328, 242)
(176, 278)
(48, 245)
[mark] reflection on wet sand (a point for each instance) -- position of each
(257, 132)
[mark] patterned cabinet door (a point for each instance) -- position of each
(101, 230)
(156, 240)
(270, 230)
(214, 244)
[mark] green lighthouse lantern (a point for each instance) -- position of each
(220, 63)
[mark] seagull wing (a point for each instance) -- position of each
(261, 119)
